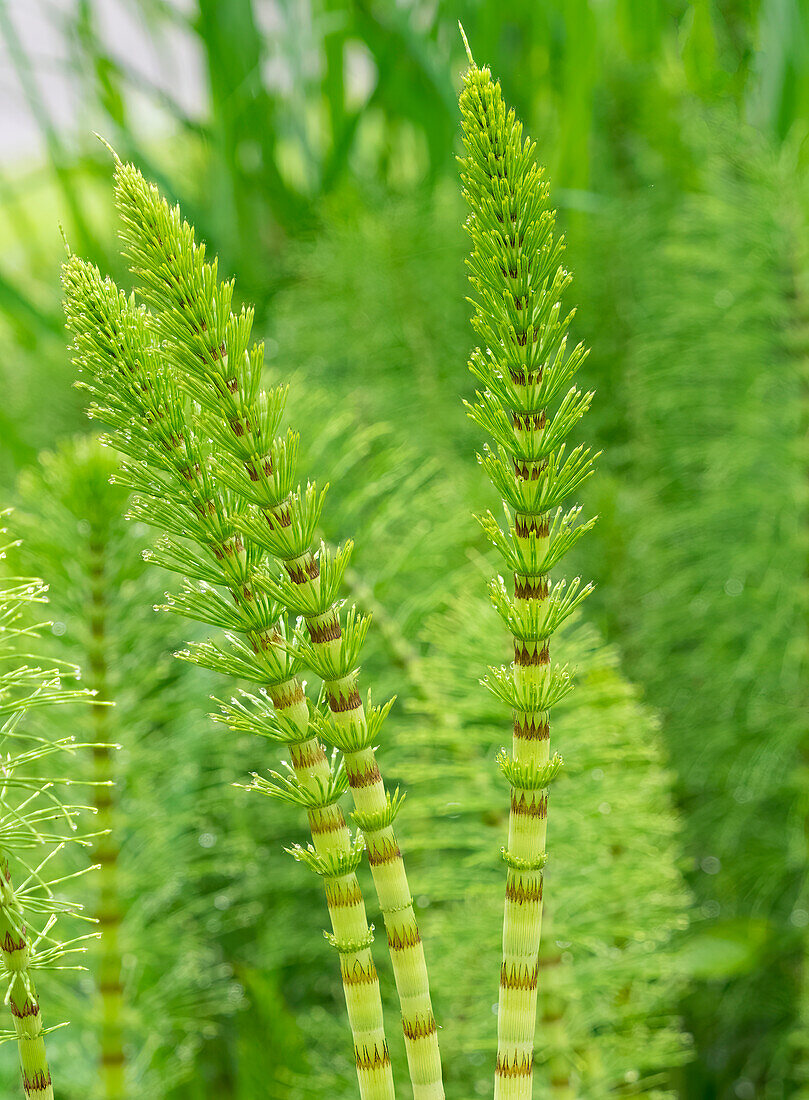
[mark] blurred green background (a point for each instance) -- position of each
(312, 142)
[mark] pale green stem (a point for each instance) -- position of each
(352, 934)
(522, 921)
(385, 859)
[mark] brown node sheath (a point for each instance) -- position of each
(324, 820)
(399, 939)
(343, 703)
(526, 525)
(283, 697)
(386, 851)
(10, 946)
(357, 974)
(530, 728)
(305, 755)
(517, 976)
(521, 1066)
(301, 573)
(531, 588)
(343, 893)
(375, 1060)
(365, 776)
(520, 893)
(528, 806)
(330, 631)
(528, 656)
(38, 1083)
(420, 1028)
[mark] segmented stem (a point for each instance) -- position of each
(23, 1001)
(518, 283)
(351, 934)
(371, 801)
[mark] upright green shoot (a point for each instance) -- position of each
(524, 366)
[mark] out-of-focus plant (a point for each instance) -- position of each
(71, 517)
(703, 562)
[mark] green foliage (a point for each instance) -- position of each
(707, 582)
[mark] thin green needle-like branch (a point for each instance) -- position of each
(210, 348)
(31, 818)
(169, 467)
(524, 369)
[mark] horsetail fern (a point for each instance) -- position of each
(32, 819)
(518, 281)
(209, 349)
(180, 488)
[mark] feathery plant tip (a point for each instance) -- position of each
(517, 281)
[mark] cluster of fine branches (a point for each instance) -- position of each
(35, 825)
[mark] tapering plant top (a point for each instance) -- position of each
(528, 405)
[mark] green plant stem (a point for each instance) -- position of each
(23, 1000)
(371, 800)
(351, 933)
(522, 922)
(112, 1069)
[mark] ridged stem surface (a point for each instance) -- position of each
(115, 347)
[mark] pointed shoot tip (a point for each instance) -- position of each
(110, 149)
(466, 44)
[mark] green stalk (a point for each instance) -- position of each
(116, 350)
(112, 1069)
(23, 1000)
(518, 283)
(210, 347)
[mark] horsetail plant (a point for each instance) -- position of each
(33, 818)
(210, 349)
(170, 465)
(517, 282)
